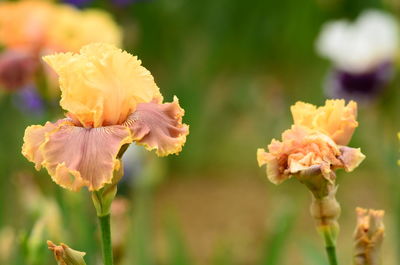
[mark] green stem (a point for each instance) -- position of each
(106, 239)
(331, 251)
(330, 247)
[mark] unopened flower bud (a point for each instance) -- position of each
(368, 237)
(65, 255)
(326, 212)
(103, 199)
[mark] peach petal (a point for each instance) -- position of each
(34, 137)
(76, 156)
(351, 157)
(303, 150)
(159, 126)
(272, 169)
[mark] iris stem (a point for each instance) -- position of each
(331, 251)
(330, 247)
(106, 239)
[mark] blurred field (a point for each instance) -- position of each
(236, 66)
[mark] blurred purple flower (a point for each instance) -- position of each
(78, 3)
(362, 87)
(29, 101)
(123, 3)
(117, 3)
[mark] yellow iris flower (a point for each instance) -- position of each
(111, 101)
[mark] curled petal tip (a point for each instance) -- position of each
(159, 127)
(261, 159)
(351, 157)
(272, 166)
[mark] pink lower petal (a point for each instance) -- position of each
(34, 137)
(159, 126)
(76, 156)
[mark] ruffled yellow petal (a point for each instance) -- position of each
(159, 126)
(335, 119)
(76, 156)
(103, 84)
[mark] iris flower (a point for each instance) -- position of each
(111, 101)
(362, 52)
(317, 142)
(30, 29)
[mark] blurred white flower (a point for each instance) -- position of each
(360, 46)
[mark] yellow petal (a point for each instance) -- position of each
(103, 84)
(335, 118)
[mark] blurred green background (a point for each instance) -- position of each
(236, 66)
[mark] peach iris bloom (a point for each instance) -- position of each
(316, 141)
(111, 101)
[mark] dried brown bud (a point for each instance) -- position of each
(368, 237)
(65, 255)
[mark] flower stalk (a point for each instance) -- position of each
(326, 211)
(102, 201)
(104, 222)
